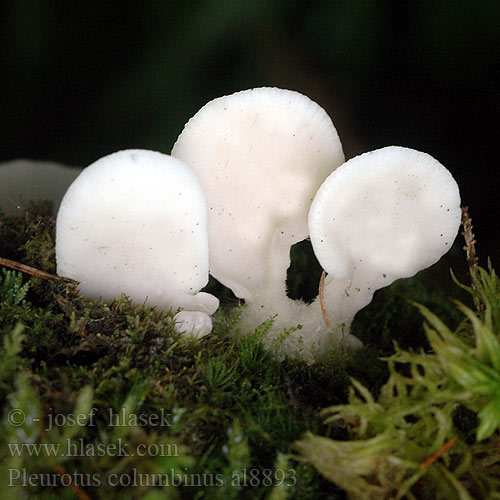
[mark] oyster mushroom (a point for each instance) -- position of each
(134, 222)
(382, 216)
(260, 155)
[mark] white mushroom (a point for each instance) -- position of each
(134, 222)
(260, 155)
(381, 216)
(22, 181)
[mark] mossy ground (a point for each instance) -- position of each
(230, 411)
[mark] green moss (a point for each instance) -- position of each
(230, 410)
(433, 421)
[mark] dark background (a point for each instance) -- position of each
(81, 79)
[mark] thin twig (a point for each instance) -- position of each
(33, 271)
(322, 299)
(432, 458)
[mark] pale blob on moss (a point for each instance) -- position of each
(23, 181)
(381, 216)
(134, 223)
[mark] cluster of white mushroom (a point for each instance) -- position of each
(250, 175)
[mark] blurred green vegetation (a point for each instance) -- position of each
(431, 431)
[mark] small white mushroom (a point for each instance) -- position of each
(193, 322)
(260, 155)
(134, 222)
(381, 216)
(22, 181)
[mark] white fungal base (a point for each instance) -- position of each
(194, 323)
(313, 340)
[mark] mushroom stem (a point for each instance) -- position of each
(299, 329)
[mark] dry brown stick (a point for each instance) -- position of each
(322, 299)
(33, 271)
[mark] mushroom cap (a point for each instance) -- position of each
(260, 155)
(384, 215)
(134, 222)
